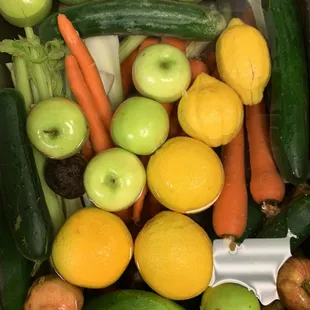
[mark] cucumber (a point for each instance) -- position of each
(138, 17)
(255, 220)
(296, 218)
(131, 300)
(304, 13)
(73, 2)
(15, 270)
(24, 203)
(289, 108)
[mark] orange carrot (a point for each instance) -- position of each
(197, 66)
(175, 127)
(211, 61)
(168, 107)
(87, 150)
(88, 67)
(266, 186)
(125, 215)
(230, 210)
(138, 205)
(148, 42)
(126, 72)
(248, 17)
(180, 44)
(216, 74)
(153, 205)
(144, 159)
(99, 136)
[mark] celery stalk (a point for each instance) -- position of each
(70, 206)
(195, 48)
(43, 87)
(35, 92)
(10, 66)
(22, 81)
(31, 96)
(128, 45)
(52, 200)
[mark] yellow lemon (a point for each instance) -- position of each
(92, 249)
(243, 60)
(174, 256)
(185, 175)
(211, 111)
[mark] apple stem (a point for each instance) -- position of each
(53, 132)
(306, 286)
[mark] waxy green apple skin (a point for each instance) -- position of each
(114, 179)
(161, 72)
(229, 296)
(140, 125)
(57, 127)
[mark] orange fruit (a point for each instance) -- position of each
(174, 256)
(92, 249)
(185, 175)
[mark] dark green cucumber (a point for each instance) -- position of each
(138, 17)
(23, 199)
(289, 108)
(304, 13)
(296, 218)
(15, 270)
(131, 300)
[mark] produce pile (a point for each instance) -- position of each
(134, 134)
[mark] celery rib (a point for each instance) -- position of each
(128, 45)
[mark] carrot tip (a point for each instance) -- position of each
(270, 209)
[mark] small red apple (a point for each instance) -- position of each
(293, 283)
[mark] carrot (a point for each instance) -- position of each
(197, 66)
(211, 61)
(266, 185)
(126, 72)
(216, 74)
(144, 159)
(125, 215)
(153, 205)
(99, 136)
(180, 44)
(175, 127)
(230, 210)
(248, 17)
(51, 292)
(89, 70)
(148, 42)
(138, 205)
(87, 150)
(168, 107)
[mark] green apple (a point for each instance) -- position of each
(140, 125)
(114, 179)
(57, 127)
(161, 72)
(229, 296)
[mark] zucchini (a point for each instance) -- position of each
(289, 108)
(296, 218)
(23, 199)
(304, 13)
(138, 17)
(15, 270)
(131, 300)
(255, 220)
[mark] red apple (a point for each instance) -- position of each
(293, 283)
